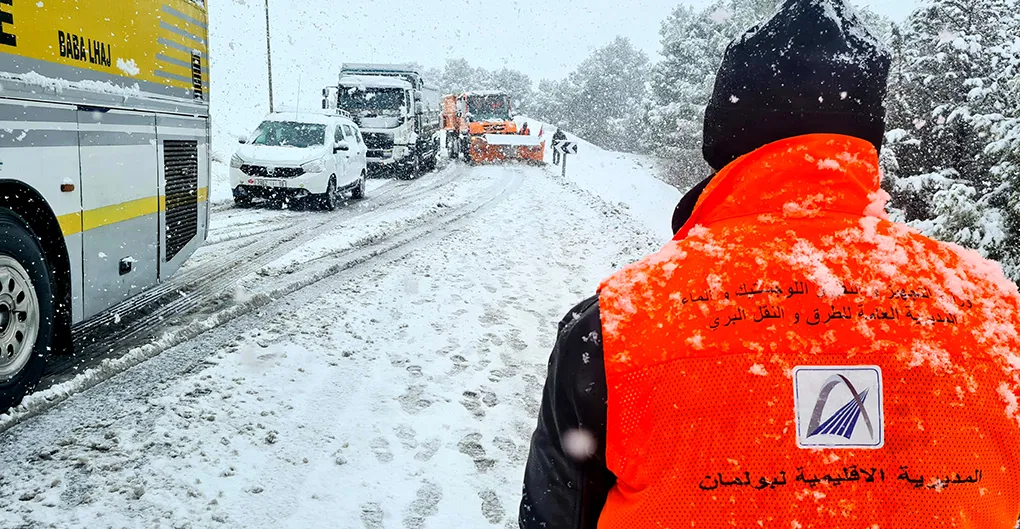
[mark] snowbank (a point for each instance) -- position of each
(625, 180)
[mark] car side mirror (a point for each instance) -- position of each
(341, 146)
(242, 139)
(419, 107)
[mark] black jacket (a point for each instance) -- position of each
(560, 491)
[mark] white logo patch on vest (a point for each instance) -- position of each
(839, 406)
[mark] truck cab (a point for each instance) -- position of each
(480, 126)
(398, 115)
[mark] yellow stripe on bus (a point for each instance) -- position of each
(70, 224)
(74, 223)
(97, 218)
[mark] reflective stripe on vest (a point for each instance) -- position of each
(795, 360)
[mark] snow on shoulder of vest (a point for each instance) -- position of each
(622, 288)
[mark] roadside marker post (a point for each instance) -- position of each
(566, 148)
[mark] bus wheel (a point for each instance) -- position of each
(26, 310)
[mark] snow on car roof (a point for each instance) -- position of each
(374, 81)
(303, 116)
(485, 93)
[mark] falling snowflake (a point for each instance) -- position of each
(579, 444)
(721, 15)
(946, 36)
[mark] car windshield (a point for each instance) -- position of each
(290, 134)
(372, 102)
(488, 108)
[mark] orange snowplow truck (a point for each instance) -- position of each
(480, 127)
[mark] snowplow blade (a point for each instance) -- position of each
(513, 139)
(494, 148)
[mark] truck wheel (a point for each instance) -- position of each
(411, 170)
(453, 147)
(26, 310)
(465, 146)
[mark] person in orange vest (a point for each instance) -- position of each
(525, 131)
(792, 359)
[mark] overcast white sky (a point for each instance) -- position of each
(313, 38)
(541, 38)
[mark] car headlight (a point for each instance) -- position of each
(236, 162)
(314, 166)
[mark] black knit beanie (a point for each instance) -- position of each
(812, 68)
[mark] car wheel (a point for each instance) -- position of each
(242, 200)
(27, 311)
(359, 190)
(329, 199)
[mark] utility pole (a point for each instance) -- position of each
(269, 60)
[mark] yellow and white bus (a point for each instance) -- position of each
(104, 163)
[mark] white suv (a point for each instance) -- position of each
(300, 155)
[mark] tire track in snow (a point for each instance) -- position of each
(290, 231)
(59, 386)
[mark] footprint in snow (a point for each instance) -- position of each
(426, 504)
(460, 364)
(381, 448)
(495, 339)
(473, 404)
(471, 446)
(372, 516)
(492, 508)
(428, 449)
(406, 434)
(492, 317)
(414, 400)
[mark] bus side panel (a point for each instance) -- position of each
(39, 147)
(141, 54)
(184, 164)
(120, 199)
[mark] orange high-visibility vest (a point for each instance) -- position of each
(794, 360)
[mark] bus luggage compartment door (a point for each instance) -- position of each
(120, 203)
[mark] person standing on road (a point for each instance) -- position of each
(558, 136)
(792, 358)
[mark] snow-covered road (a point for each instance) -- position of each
(380, 369)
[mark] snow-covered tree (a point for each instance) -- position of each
(951, 104)
(601, 100)
(609, 87)
(693, 44)
(459, 76)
